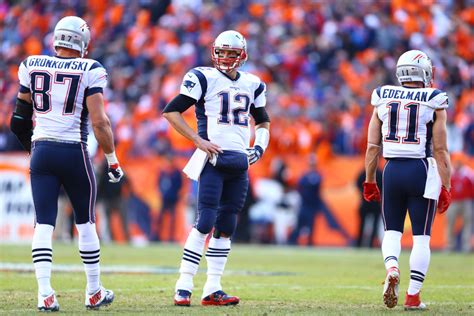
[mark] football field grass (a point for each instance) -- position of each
(269, 280)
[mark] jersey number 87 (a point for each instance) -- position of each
(41, 90)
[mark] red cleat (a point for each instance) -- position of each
(220, 298)
(182, 298)
(413, 302)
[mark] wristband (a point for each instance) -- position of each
(111, 158)
(262, 137)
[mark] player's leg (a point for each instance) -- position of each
(45, 188)
(422, 213)
(374, 228)
(80, 185)
(362, 217)
(304, 223)
(452, 215)
(209, 192)
(467, 226)
(232, 201)
(393, 214)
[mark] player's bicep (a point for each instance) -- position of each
(374, 133)
(439, 131)
(95, 106)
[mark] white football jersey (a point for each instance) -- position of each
(223, 105)
(59, 87)
(407, 116)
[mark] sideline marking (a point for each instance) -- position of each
(127, 269)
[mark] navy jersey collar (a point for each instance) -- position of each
(60, 57)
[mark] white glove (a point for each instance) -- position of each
(254, 154)
(115, 173)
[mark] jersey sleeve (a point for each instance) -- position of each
(97, 79)
(376, 98)
(260, 95)
(24, 77)
(438, 100)
(191, 86)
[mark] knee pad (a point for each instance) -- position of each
(205, 221)
(226, 224)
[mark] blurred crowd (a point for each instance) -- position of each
(320, 60)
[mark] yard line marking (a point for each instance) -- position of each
(127, 269)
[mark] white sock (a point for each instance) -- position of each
(216, 257)
(419, 262)
(89, 249)
(391, 247)
(192, 254)
(42, 255)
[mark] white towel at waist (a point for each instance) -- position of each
(433, 181)
(195, 164)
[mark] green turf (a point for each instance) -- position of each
(306, 281)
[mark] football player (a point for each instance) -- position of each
(409, 123)
(224, 99)
(63, 91)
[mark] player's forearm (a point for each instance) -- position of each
(374, 146)
(103, 134)
(444, 167)
(440, 148)
(178, 122)
(371, 162)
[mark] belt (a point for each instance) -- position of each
(46, 139)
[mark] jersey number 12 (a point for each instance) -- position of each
(237, 112)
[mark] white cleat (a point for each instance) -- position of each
(48, 303)
(102, 297)
(390, 287)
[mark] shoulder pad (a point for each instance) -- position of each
(438, 100)
(252, 77)
(376, 97)
(96, 64)
(204, 68)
